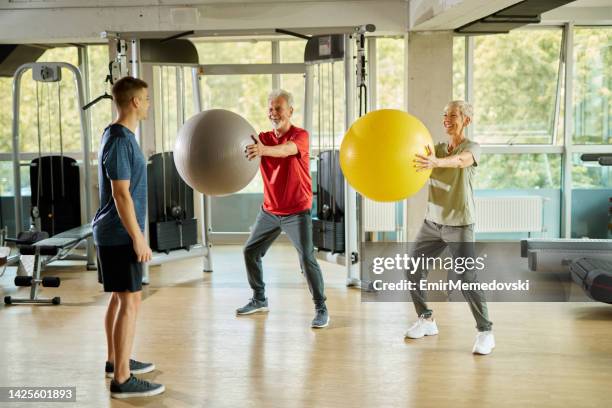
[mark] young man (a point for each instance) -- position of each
(118, 228)
(449, 221)
(285, 170)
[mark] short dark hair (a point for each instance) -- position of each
(125, 89)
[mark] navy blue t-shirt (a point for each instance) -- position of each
(119, 158)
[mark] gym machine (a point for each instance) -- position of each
(589, 260)
(328, 225)
(56, 187)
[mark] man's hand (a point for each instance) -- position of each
(429, 161)
(254, 150)
(143, 252)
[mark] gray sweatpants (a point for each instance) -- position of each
(266, 229)
(431, 240)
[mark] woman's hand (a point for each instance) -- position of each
(429, 161)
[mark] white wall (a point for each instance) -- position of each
(27, 22)
(430, 87)
(450, 14)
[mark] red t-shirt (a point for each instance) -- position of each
(287, 181)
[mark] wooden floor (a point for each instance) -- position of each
(547, 355)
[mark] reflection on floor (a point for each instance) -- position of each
(548, 354)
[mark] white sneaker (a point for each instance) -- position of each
(485, 343)
(422, 327)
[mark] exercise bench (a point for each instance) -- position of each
(44, 251)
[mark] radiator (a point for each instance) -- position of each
(377, 216)
(509, 214)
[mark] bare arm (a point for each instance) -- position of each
(127, 214)
(282, 150)
(430, 161)
(462, 160)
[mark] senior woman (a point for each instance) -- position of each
(449, 221)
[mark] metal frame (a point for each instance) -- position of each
(85, 143)
(352, 231)
(274, 69)
(566, 175)
(203, 249)
(469, 76)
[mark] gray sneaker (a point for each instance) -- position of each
(135, 387)
(253, 306)
(136, 367)
(321, 318)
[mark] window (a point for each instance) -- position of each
(523, 174)
(591, 192)
(47, 96)
(292, 51)
(510, 171)
(328, 119)
(590, 174)
(390, 78)
(593, 85)
(101, 113)
(515, 82)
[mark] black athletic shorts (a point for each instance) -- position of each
(118, 268)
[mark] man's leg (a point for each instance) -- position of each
(461, 244)
(428, 243)
(299, 230)
(123, 332)
(109, 323)
(265, 230)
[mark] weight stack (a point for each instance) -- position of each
(166, 236)
(328, 235)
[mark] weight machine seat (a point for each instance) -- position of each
(594, 276)
(4, 254)
(80, 233)
(51, 246)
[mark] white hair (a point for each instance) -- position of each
(281, 93)
(466, 108)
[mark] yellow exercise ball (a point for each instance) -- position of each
(378, 151)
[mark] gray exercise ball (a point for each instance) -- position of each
(209, 153)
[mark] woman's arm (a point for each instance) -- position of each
(430, 161)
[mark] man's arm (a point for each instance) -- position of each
(127, 214)
(282, 150)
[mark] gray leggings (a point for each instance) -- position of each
(431, 240)
(299, 229)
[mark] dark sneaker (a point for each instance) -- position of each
(253, 306)
(135, 387)
(321, 318)
(136, 367)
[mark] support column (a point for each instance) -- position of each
(430, 88)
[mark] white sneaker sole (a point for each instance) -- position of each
(480, 353)
(145, 370)
(258, 310)
(123, 395)
(408, 336)
(321, 326)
